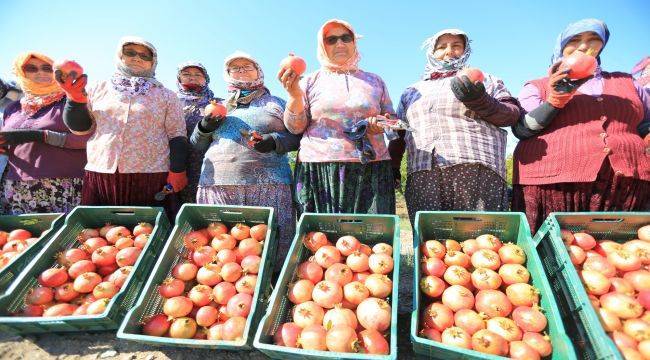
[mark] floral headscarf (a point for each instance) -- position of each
(36, 95)
(243, 92)
(127, 81)
(204, 94)
(442, 68)
(352, 63)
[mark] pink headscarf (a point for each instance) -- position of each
(353, 61)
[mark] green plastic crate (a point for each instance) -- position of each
(84, 217)
(193, 216)
(582, 323)
(44, 224)
(509, 227)
(369, 229)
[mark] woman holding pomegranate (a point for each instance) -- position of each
(580, 148)
(236, 170)
(456, 156)
(139, 141)
(194, 94)
(45, 160)
(343, 164)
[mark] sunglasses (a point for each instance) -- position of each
(346, 38)
(29, 68)
(132, 53)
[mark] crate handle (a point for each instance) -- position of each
(617, 220)
(351, 221)
(124, 213)
(466, 218)
(231, 212)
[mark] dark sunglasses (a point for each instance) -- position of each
(132, 53)
(29, 68)
(346, 38)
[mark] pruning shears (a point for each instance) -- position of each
(252, 136)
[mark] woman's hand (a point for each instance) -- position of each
(75, 89)
(291, 82)
(556, 98)
(373, 127)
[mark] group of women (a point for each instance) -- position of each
(122, 140)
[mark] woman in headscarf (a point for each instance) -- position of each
(343, 165)
(45, 160)
(580, 148)
(195, 94)
(240, 168)
(456, 155)
(139, 141)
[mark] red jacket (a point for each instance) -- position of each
(589, 130)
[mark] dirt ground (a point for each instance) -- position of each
(106, 346)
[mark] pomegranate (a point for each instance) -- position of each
(177, 306)
(300, 291)
(433, 248)
(357, 261)
(512, 254)
(239, 305)
(86, 234)
(339, 273)
(97, 307)
(200, 295)
(453, 257)
(576, 254)
(230, 272)
(104, 229)
(355, 292)
(379, 286)
(80, 267)
(433, 266)
(315, 240)
(313, 337)
(204, 255)
(194, 240)
(624, 260)
(210, 274)
(623, 286)
(123, 243)
(469, 320)
(580, 65)
(107, 270)
(216, 228)
(541, 343)
(246, 284)
(347, 245)
(457, 275)
(457, 297)
(432, 286)
(227, 255)
(644, 233)
(33, 310)
(431, 334)
(639, 248)
(493, 303)
(453, 245)
(71, 256)
(366, 249)
(638, 329)
(529, 318)
(240, 231)
(295, 63)
(609, 321)
(115, 233)
(287, 335)
(438, 316)
(310, 271)
(327, 294)
(105, 255)
(488, 342)
(595, 282)
(105, 290)
(216, 109)
(521, 294)
(486, 258)
(19, 234)
(206, 316)
(120, 276)
(584, 240)
(308, 313)
(621, 305)
(182, 328)
(141, 240)
(599, 264)
(374, 313)
(93, 244)
(522, 351)
(485, 279)
(488, 241)
(640, 279)
(127, 256)
(223, 241)
(473, 74)
(513, 273)
(623, 340)
(455, 336)
(373, 342)
(40, 295)
(63, 309)
(258, 232)
(327, 256)
(504, 327)
(339, 316)
(53, 277)
(185, 271)
(644, 299)
(469, 246)
(222, 292)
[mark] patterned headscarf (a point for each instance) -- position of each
(243, 92)
(442, 68)
(36, 95)
(584, 25)
(204, 94)
(126, 80)
(352, 63)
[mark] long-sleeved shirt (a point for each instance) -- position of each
(131, 133)
(38, 160)
(454, 132)
(334, 102)
(229, 161)
(530, 98)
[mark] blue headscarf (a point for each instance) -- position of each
(580, 26)
(200, 97)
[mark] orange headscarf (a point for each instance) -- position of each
(31, 87)
(353, 61)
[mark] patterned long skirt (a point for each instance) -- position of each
(277, 196)
(135, 189)
(40, 196)
(609, 192)
(465, 187)
(344, 187)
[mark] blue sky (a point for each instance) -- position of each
(511, 39)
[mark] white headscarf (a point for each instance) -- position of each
(444, 67)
